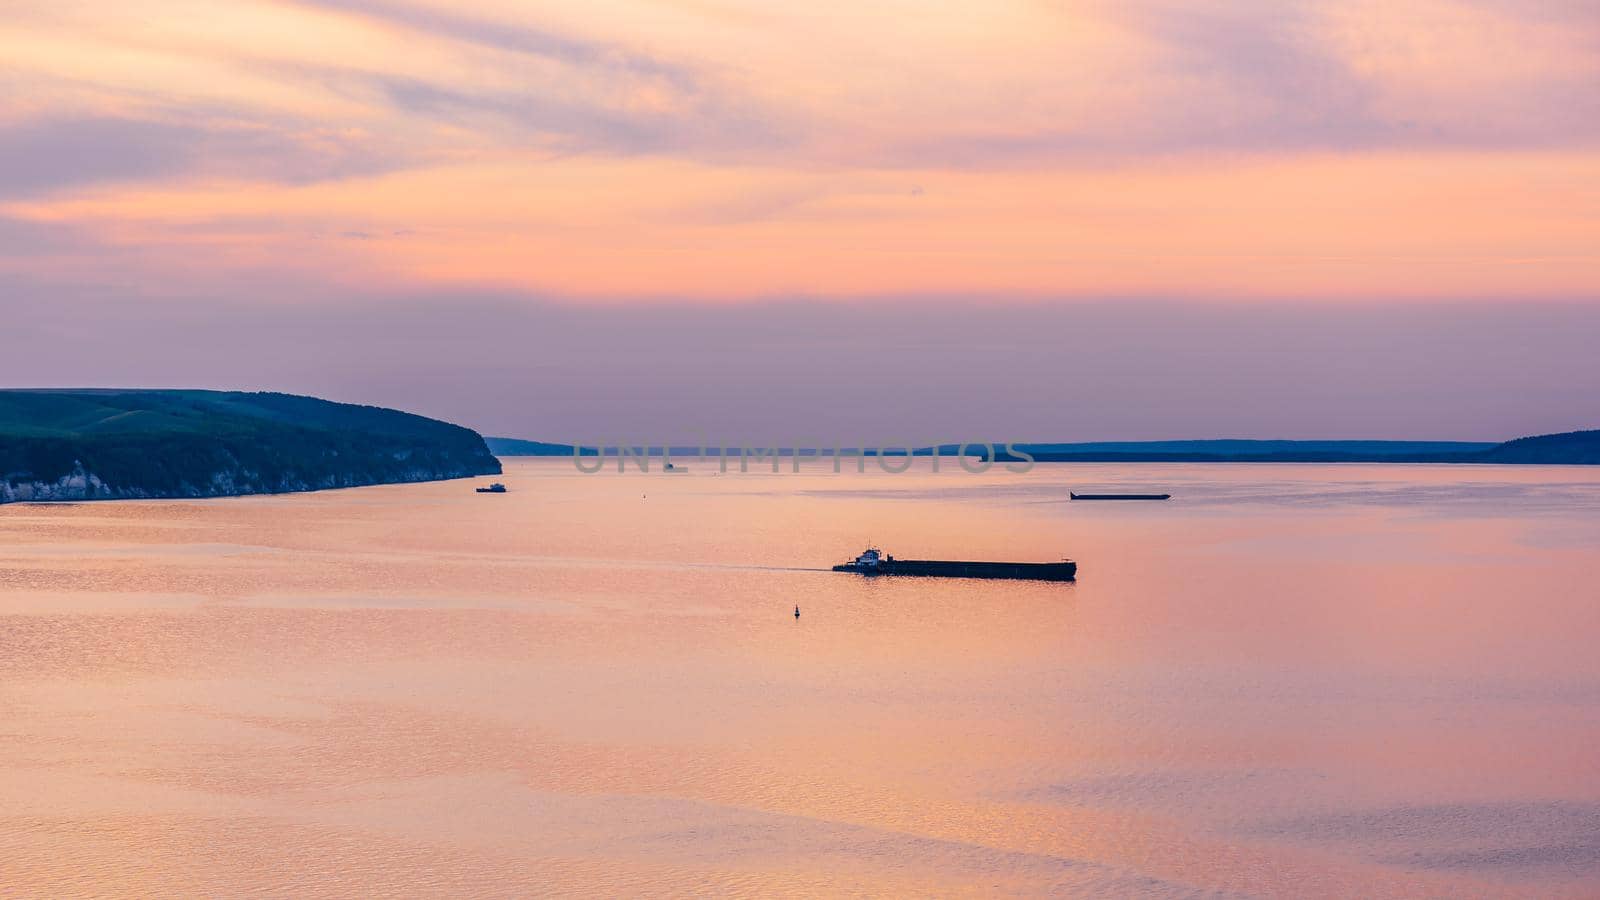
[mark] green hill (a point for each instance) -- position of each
(101, 444)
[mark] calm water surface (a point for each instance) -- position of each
(1290, 681)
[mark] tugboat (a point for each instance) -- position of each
(496, 488)
(873, 562)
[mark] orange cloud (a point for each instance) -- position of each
(630, 149)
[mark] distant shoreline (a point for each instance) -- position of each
(1570, 448)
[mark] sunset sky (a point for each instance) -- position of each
(1040, 220)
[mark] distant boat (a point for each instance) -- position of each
(1119, 496)
(872, 562)
(496, 488)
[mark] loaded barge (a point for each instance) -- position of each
(1072, 496)
(874, 563)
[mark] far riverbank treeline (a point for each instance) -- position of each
(1571, 448)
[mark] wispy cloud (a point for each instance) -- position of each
(1294, 77)
(432, 22)
(1236, 75)
(1082, 147)
(41, 156)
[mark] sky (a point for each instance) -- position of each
(662, 221)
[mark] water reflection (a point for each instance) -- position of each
(1291, 680)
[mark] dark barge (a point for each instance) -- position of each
(1073, 496)
(873, 563)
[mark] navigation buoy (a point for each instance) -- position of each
(797, 612)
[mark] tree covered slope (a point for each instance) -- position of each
(1570, 448)
(102, 444)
